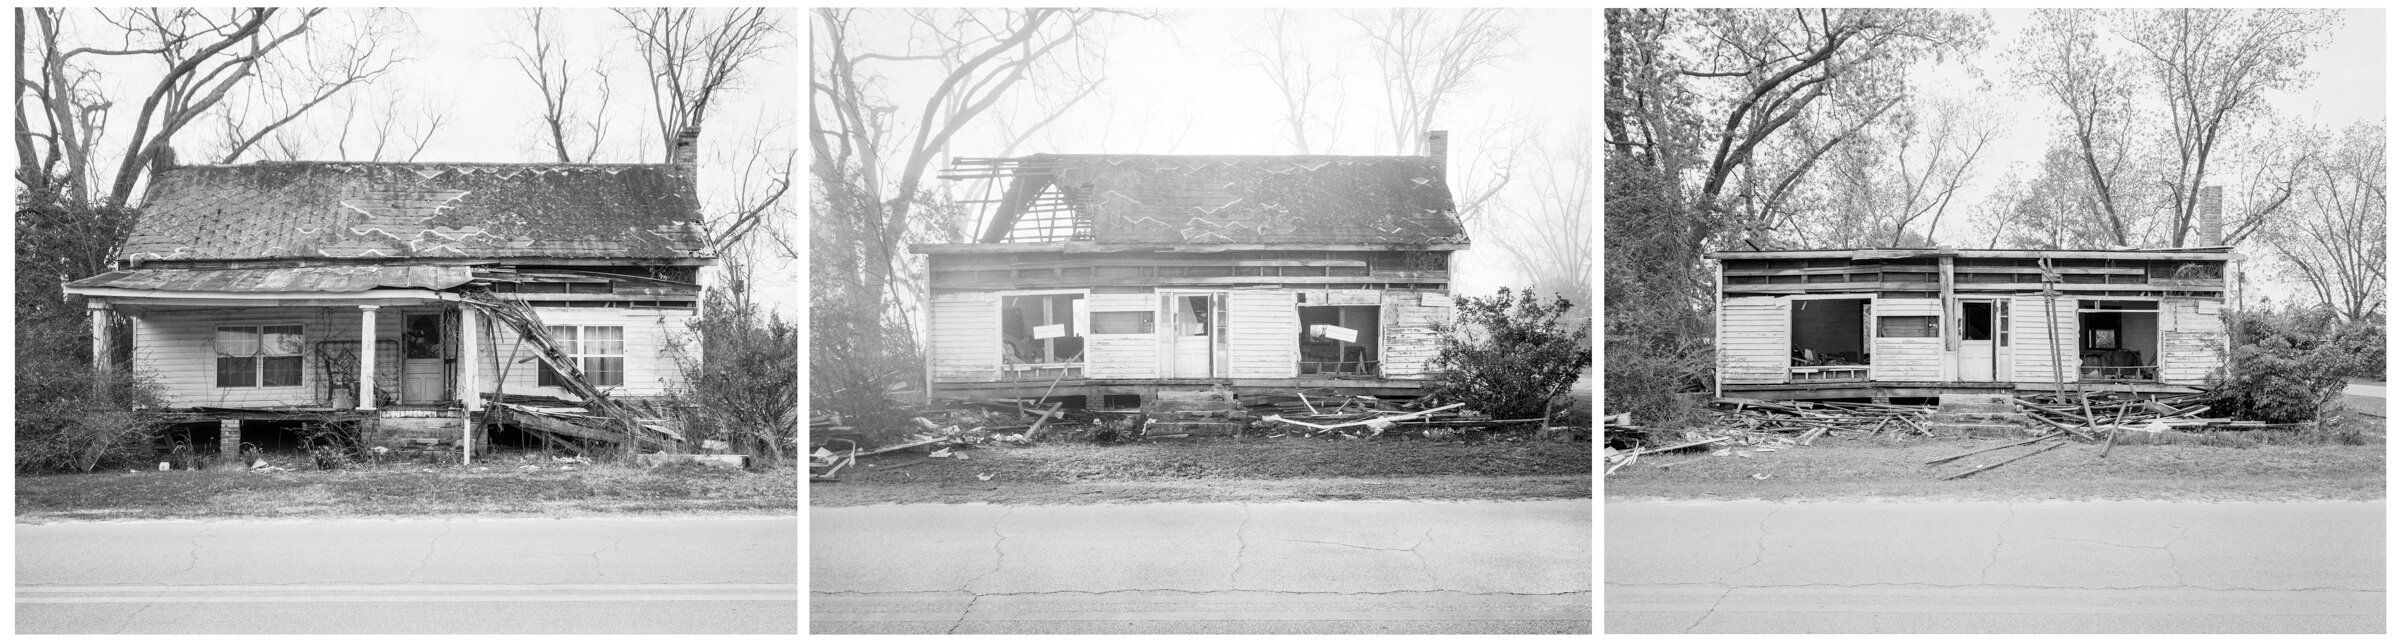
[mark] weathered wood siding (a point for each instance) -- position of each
(1265, 336)
(1907, 359)
(176, 347)
(1753, 340)
(2030, 339)
(2191, 340)
(966, 336)
(656, 342)
(1409, 340)
(1122, 355)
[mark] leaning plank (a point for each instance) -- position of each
(1680, 446)
(2012, 444)
(1361, 423)
(1996, 465)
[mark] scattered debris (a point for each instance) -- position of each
(1996, 465)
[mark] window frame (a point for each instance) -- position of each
(572, 339)
(258, 358)
(1933, 324)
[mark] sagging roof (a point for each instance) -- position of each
(1241, 199)
(316, 210)
(284, 279)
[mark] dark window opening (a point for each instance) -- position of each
(1907, 327)
(1340, 339)
(2118, 346)
(1829, 333)
(1975, 322)
(1041, 329)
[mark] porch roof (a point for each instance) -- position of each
(334, 279)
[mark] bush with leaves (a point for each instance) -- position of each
(745, 387)
(1509, 355)
(1661, 352)
(2287, 365)
(69, 417)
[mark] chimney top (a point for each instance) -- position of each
(2208, 221)
(687, 147)
(1437, 146)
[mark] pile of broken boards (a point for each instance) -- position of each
(2113, 411)
(579, 426)
(944, 429)
(1766, 426)
(1325, 414)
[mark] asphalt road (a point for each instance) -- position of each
(1303, 567)
(619, 575)
(2053, 567)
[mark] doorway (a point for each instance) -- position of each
(421, 358)
(1196, 340)
(1978, 330)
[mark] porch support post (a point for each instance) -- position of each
(101, 315)
(229, 437)
(366, 357)
(470, 368)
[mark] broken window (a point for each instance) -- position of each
(598, 351)
(1829, 332)
(1340, 339)
(1908, 327)
(2118, 339)
(258, 356)
(1041, 329)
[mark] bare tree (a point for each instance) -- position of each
(1426, 58)
(539, 57)
(691, 58)
(1280, 52)
(1553, 238)
(870, 170)
(2214, 68)
(2335, 240)
(335, 52)
(2061, 56)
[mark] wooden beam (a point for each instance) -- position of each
(1089, 246)
(1978, 253)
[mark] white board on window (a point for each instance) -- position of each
(1334, 332)
(1049, 331)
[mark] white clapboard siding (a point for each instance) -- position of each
(1124, 355)
(657, 342)
(966, 336)
(1265, 328)
(1409, 339)
(1907, 359)
(2191, 340)
(176, 348)
(2030, 340)
(1753, 340)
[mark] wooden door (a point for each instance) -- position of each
(1976, 352)
(1196, 335)
(421, 350)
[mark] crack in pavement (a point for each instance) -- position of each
(962, 615)
(1000, 555)
(194, 560)
(430, 545)
(1999, 541)
(1421, 565)
(1712, 609)
(2174, 562)
(1761, 555)
(1241, 553)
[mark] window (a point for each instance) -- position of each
(1113, 322)
(259, 356)
(1041, 329)
(1339, 339)
(598, 351)
(1907, 327)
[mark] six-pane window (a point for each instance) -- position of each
(259, 356)
(599, 351)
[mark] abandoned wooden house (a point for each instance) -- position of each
(1109, 280)
(1911, 325)
(397, 297)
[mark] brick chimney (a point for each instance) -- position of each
(2208, 219)
(687, 148)
(1437, 147)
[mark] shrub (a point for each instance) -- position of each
(745, 387)
(2287, 365)
(70, 418)
(1508, 356)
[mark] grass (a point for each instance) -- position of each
(1222, 470)
(503, 487)
(2227, 468)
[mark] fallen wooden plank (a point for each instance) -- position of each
(1629, 458)
(725, 461)
(1686, 445)
(2005, 446)
(1996, 465)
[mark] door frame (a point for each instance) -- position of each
(1998, 315)
(1220, 347)
(441, 360)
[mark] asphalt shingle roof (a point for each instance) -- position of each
(1258, 199)
(281, 210)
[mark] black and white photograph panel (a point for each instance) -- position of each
(348, 320)
(1200, 321)
(1994, 321)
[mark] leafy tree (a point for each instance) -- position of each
(2287, 365)
(1508, 356)
(69, 417)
